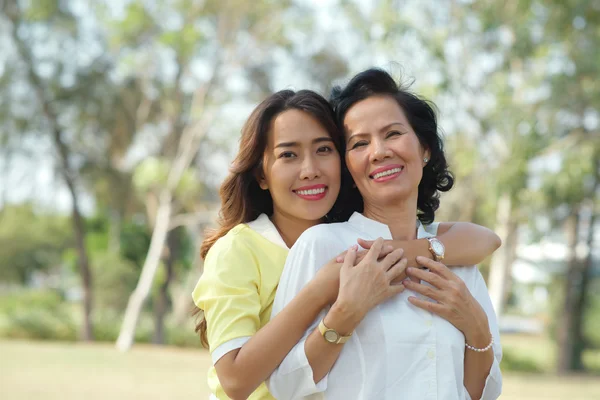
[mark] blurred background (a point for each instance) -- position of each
(118, 120)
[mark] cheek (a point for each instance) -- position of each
(353, 164)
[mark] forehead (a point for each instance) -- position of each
(372, 114)
(296, 126)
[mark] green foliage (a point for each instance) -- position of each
(30, 241)
(115, 279)
(36, 315)
(514, 362)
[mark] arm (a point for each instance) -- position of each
(305, 368)
(483, 379)
(470, 310)
(466, 244)
(242, 370)
(245, 354)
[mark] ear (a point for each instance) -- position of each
(262, 182)
(426, 156)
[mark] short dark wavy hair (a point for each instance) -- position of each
(422, 118)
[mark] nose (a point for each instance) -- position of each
(379, 151)
(310, 168)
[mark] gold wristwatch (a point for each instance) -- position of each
(436, 248)
(331, 335)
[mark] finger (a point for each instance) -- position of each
(435, 308)
(375, 250)
(340, 258)
(360, 255)
(350, 257)
(392, 259)
(429, 277)
(425, 290)
(397, 272)
(436, 267)
(365, 244)
(395, 289)
(387, 249)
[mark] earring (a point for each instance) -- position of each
(426, 160)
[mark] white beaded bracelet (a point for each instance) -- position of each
(486, 348)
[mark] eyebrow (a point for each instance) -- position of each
(294, 144)
(383, 128)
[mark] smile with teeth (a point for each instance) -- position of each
(310, 191)
(386, 173)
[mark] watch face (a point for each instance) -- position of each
(331, 336)
(437, 247)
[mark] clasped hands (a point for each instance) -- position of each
(446, 295)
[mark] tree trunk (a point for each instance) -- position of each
(182, 302)
(162, 297)
(139, 295)
(566, 319)
(114, 230)
(581, 300)
(13, 12)
(500, 267)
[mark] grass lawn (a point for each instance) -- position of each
(49, 371)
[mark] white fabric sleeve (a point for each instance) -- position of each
(493, 382)
(293, 378)
(226, 347)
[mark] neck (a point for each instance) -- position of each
(289, 228)
(400, 217)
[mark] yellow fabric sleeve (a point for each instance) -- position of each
(228, 291)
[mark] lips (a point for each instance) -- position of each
(313, 192)
(387, 172)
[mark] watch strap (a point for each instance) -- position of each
(341, 339)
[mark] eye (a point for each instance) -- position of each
(358, 144)
(287, 154)
(393, 133)
(325, 149)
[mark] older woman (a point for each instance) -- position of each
(439, 338)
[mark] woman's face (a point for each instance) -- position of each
(384, 155)
(301, 167)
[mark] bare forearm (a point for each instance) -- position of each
(468, 244)
(261, 355)
(477, 365)
(465, 243)
(322, 355)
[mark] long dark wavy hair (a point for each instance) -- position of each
(242, 199)
(422, 118)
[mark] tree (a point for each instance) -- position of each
(48, 95)
(188, 114)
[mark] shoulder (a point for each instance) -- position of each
(321, 234)
(236, 244)
(240, 238)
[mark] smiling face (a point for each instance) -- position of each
(301, 168)
(383, 153)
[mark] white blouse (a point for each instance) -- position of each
(398, 351)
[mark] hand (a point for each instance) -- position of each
(360, 254)
(328, 279)
(453, 300)
(369, 283)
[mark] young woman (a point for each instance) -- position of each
(439, 338)
(285, 179)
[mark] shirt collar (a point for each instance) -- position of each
(263, 226)
(379, 229)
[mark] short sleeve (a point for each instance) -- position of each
(493, 383)
(228, 292)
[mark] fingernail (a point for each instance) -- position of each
(410, 269)
(389, 247)
(354, 247)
